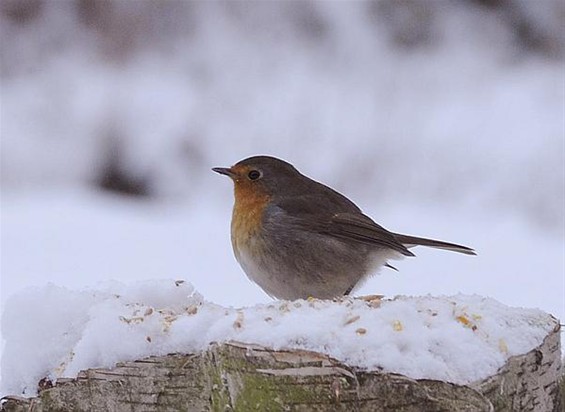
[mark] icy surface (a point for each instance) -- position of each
(56, 332)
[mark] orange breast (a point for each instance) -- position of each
(249, 206)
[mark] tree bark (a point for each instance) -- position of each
(243, 377)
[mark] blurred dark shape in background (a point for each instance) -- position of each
(528, 21)
(22, 12)
(409, 23)
(114, 177)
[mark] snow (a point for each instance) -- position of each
(56, 332)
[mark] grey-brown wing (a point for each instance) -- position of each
(335, 216)
(339, 217)
(361, 228)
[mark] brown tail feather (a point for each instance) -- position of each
(409, 241)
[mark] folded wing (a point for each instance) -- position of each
(339, 217)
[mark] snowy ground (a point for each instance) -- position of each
(459, 339)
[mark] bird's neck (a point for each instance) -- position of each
(248, 210)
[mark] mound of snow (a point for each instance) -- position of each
(56, 332)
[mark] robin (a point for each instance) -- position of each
(297, 238)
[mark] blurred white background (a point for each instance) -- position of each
(440, 118)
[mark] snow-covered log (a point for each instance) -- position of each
(150, 347)
(243, 377)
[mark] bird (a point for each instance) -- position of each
(298, 239)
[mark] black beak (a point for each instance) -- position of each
(224, 171)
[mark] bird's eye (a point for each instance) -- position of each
(254, 174)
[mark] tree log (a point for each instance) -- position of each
(244, 377)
